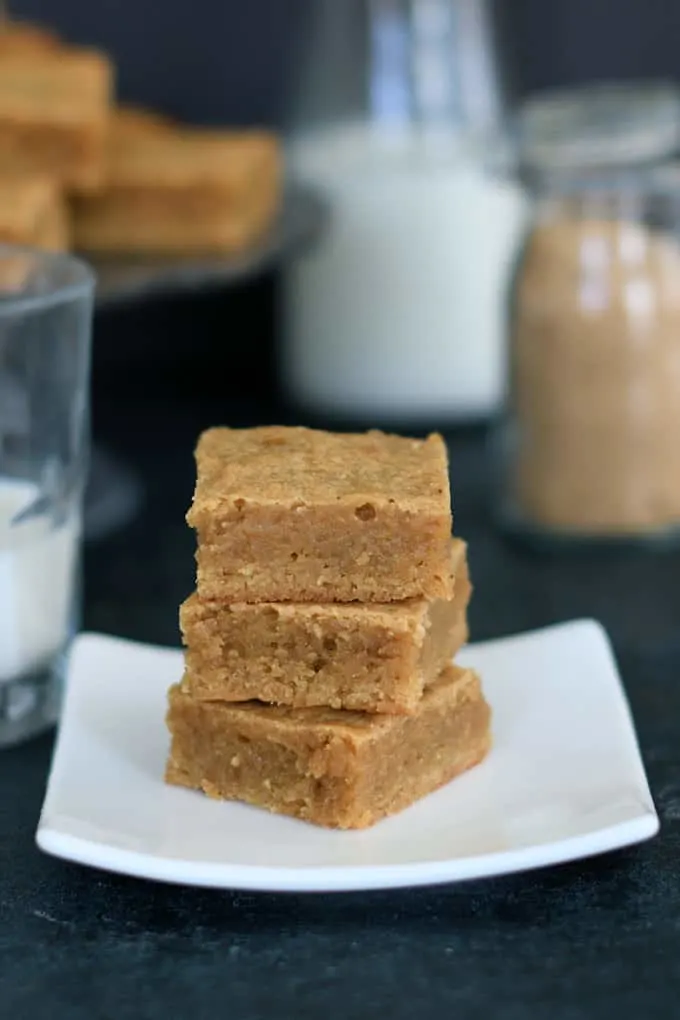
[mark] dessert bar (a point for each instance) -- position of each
(180, 190)
(366, 657)
(33, 212)
(299, 515)
(54, 106)
(335, 768)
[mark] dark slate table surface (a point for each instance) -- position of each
(585, 940)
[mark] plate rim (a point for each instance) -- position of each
(57, 841)
(347, 878)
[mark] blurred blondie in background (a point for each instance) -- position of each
(80, 169)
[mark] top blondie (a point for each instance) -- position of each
(296, 514)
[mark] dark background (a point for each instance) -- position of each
(229, 59)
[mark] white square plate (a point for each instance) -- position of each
(563, 780)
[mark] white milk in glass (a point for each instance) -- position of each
(401, 308)
(37, 573)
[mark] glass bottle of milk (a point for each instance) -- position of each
(398, 314)
(45, 316)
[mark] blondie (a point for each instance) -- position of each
(366, 657)
(335, 768)
(26, 37)
(180, 190)
(33, 212)
(299, 515)
(54, 110)
(129, 121)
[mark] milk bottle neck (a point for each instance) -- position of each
(428, 64)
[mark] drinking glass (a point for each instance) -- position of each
(45, 329)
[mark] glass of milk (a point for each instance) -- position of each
(399, 117)
(45, 330)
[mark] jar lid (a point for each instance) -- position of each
(598, 126)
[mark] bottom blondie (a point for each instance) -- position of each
(332, 767)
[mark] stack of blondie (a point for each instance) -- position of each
(79, 169)
(330, 601)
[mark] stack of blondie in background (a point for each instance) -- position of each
(79, 169)
(330, 601)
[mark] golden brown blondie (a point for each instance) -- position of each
(54, 107)
(129, 121)
(33, 212)
(335, 768)
(26, 37)
(300, 515)
(180, 190)
(361, 656)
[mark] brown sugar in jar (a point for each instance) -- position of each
(595, 363)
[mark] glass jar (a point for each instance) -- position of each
(591, 440)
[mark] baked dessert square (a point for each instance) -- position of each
(54, 106)
(339, 769)
(129, 120)
(181, 190)
(33, 212)
(26, 37)
(359, 656)
(303, 515)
